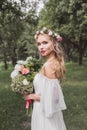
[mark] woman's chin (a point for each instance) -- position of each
(43, 54)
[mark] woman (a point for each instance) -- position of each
(48, 97)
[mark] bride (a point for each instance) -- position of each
(48, 97)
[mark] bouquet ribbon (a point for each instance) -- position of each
(28, 102)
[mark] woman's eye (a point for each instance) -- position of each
(38, 44)
(45, 43)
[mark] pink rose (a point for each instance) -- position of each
(59, 38)
(24, 70)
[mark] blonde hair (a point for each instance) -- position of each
(59, 53)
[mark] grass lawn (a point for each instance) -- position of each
(12, 106)
(75, 92)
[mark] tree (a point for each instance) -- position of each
(11, 29)
(16, 30)
(78, 19)
(69, 18)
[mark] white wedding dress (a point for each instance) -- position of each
(47, 114)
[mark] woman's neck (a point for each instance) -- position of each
(50, 57)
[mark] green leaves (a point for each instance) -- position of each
(69, 18)
(17, 30)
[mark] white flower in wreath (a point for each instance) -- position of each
(25, 82)
(41, 32)
(37, 32)
(50, 33)
(44, 29)
(35, 36)
(55, 34)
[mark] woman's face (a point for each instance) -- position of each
(45, 45)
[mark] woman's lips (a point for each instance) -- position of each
(42, 52)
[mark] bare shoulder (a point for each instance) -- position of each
(50, 69)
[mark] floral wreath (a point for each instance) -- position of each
(51, 33)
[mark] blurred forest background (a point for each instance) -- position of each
(19, 20)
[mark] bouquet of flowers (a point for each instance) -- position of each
(23, 75)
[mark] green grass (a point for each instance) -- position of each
(75, 92)
(12, 106)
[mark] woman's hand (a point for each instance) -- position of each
(32, 96)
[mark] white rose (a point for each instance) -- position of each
(25, 82)
(14, 74)
(17, 66)
(20, 62)
(29, 58)
(25, 63)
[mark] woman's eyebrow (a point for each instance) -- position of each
(38, 42)
(41, 42)
(44, 41)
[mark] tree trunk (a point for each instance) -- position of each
(5, 62)
(14, 60)
(80, 58)
(14, 57)
(80, 53)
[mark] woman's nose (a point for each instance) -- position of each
(41, 47)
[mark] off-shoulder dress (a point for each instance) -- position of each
(47, 114)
